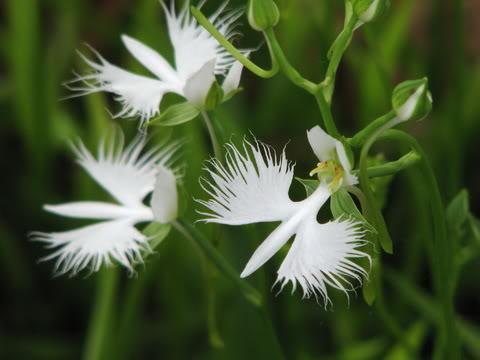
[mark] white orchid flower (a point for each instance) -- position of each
(253, 186)
(198, 58)
(128, 176)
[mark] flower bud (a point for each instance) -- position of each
(368, 10)
(262, 14)
(411, 100)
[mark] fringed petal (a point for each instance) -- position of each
(324, 254)
(249, 188)
(93, 246)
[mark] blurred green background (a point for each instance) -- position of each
(43, 317)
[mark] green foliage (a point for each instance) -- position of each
(176, 114)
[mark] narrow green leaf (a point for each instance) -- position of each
(457, 212)
(343, 206)
(176, 114)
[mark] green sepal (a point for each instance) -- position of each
(175, 115)
(156, 233)
(262, 14)
(310, 185)
(369, 10)
(214, 97)
(231, 94)
(343, 207)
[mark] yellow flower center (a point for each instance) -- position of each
(331, 172)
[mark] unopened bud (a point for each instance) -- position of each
(368, 10)
(412, 100)
(262, 14)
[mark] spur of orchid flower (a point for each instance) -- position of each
(198, 58)
(128, 176)
(252, 187)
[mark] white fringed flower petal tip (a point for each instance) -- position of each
(252, 186)
(129, 175)
(193, 47)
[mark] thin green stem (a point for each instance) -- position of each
(223, 266)
(444, 250)
(203, 20)
(102, 315)
(292, 74)
(338, 48)
(373, 209)
(393, 167)
(217, 149)
(327, 116)
(362, 136)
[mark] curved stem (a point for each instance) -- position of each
(363, 135)
(203, 20)
(374, 211)
(101, 318)
(393, 167)
(292, 74)
(444, 250)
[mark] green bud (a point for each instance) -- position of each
(368, 10)
(411, 100)
(262, 14)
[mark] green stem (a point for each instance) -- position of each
(327, 116)
(191, 233)
(292, 74)
(217, 149)
(102, 315)
(338, 48)
(362, 136)
(393, 167)
(202, 20)
(444, 250)
(376, 215)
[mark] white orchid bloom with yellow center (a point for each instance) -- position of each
(198, 58)
(128, 176)
(253, 186)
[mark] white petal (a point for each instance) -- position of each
(139, 95)
(323, 145)
(194, 46)
(323, 254)
(251, 187)
(348, 178)
(127, 174)
(100, 210)
(326, 147)
(152, 60)
(165, 198)
(232, 80)
(197, 86)
(95, 245)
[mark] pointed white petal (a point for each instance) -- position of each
(232, 80)
(125, 173)
(323, 145)
(164, 202)
(95, 245)
(197, 86)
(152, 60)
(250, 187)
(323, 254)
(194, 46)
(100, 210)
(139, 95)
